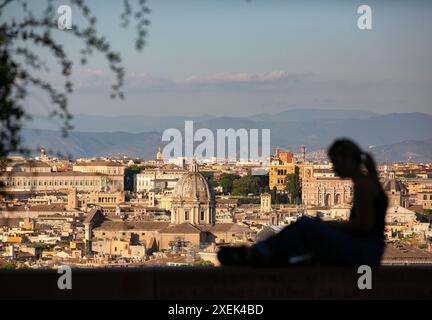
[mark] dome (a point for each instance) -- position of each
(193, 199)
(193, 186)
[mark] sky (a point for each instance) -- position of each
(239, 58)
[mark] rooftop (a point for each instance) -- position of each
(99, 163)
(129, 225)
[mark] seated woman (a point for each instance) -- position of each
(355, 242)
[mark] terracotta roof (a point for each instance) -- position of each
(10, 222)
(126, 225)
(36, 208)
(47, 207)
(416, 208)
(224, 227)
(181, 228)
(393, 185)
(399, 250)
(91, 215)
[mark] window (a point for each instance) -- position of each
(186, 215)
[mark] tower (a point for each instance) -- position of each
(193, 199)
(303, 153)
(159, 157)
(72, 199)
(265, 202)
(42, 155)
(152, 198)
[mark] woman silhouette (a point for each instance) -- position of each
(355, 242)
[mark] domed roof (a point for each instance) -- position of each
(193, 186)
(393, 185)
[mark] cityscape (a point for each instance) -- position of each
(248, 150)
(129, 212)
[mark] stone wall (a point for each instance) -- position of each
(220, 283)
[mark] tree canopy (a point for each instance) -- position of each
(292, 187)
(21, 68)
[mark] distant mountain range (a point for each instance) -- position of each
(397, 136)
(407, 151)
(93, 144)
(140, 123)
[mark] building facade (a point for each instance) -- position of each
(281, 165)
(327, 192)
(157, 178)
(103, 167)
(424, 199)
(397, 193)
(60, 181)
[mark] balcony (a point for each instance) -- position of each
(198, 283)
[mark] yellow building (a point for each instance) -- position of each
(12, 239)
(281, 165)
(121, 248)
(413, 186)
(279, 171)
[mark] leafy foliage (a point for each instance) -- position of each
(292, 187)
(409, 175)
(428, 214)
(226, 181)
(249, 184)
(242, 186)
(134, 168)
(21, 69)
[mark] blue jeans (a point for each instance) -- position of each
(326, 244)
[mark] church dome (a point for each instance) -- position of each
(193, 186)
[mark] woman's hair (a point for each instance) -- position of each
(347, 148)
